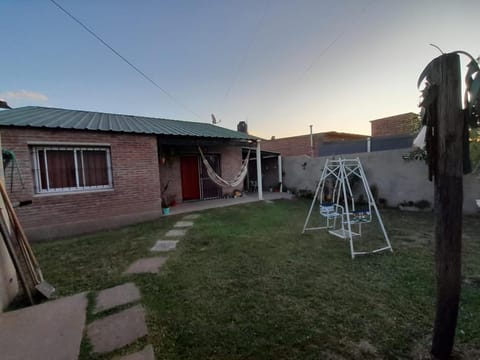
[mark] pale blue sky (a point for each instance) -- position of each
(281, 65)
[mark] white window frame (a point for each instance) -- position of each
(77, 155)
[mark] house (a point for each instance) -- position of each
(401, 124)
(84, 171)
(310, 144)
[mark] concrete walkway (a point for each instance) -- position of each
(52, 330)
(194, 206)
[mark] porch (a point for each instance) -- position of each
(194, 206)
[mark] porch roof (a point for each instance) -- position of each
(44, 117)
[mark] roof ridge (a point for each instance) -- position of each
(51, 117)
(119, 114)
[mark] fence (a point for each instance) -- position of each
(377, 143)
(397, 180)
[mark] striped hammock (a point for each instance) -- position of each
(219, 180)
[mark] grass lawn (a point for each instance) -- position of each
(246, 284)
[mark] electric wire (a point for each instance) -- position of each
(331, 44)
(247, 51)
(129, 63)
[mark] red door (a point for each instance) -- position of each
(190, 178)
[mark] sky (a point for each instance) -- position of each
(279, 65)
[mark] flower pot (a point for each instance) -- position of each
(166, 211)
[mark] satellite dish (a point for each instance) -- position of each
(215, 121)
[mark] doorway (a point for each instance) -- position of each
(190, 178)
(210, 190)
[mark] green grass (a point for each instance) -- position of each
(246, 284)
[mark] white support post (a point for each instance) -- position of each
(280, 176)
(259, 171)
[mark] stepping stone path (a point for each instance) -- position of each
(118, 330)
(116, 296)
(183, 224)
(148, 265)
(152, 265)
(176, 233)
(145, 354)
(164, 245)
(115, 331)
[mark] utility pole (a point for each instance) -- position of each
(447, 140)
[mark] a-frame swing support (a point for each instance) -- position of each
(341, 217)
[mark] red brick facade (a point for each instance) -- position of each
(395, 125)
(136, 174)
(136, 185)
(301, 145)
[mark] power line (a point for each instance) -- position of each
(331, 44)
(129, 63)
(247, 51)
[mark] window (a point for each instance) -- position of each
(62, 168)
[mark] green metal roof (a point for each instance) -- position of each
(53, 118)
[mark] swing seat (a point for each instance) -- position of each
(331, 210)
(360, 216)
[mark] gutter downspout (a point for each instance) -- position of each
(280, 177)
(259, 171)
(311, 141)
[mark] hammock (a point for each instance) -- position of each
(219, 180)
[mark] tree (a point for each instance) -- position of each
(448, 156)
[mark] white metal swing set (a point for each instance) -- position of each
(337, 203)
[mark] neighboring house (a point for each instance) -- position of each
(85, 171)
(401, 124)
(306, 144)
(394, 132)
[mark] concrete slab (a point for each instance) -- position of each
(147, 265)
(181, 224)
(176, 233)
(193, 207)
(117, 330)
(191, 217)
(145, 354)
(119, 295)
(52, 330)
(164, 245)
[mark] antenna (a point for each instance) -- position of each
(215, 121)
(4, 105)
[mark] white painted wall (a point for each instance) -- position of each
(397, 180)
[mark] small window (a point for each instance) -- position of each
(63, 169)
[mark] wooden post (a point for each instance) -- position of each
(448, 202)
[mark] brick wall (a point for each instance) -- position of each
(136, 184)
(300, 145)
(291, 146)
(395, 125)
(231, 164)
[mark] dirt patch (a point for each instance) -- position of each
(419, 239)
(421, 351)
(472, 280)
(361, 350)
